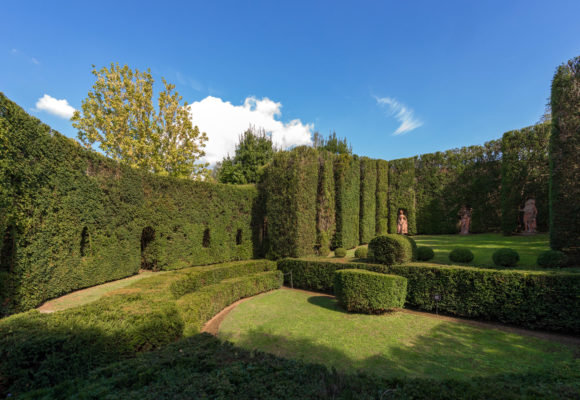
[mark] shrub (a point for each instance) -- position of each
(506, 257)
(369, 292)
(361, 252)
(535, 300)
(425, 253)
(552, 259)
(340, 252)
(413, 247)
(461, 255)
(391, 249)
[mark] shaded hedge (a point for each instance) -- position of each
(391, 249)
(565, 160)
(347, 186)
(72, 218)
(369, 292)
(325, 203)
(402, 193)
(524, 174)
(368, 200)
(535, 300)
(382, 207)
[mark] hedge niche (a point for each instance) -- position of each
(72, 218)
(347, 186)
(382, 207)
(401, 193)
(368, 199)
(524, 168)
(565, 160)
(290, 186)
(369, 292)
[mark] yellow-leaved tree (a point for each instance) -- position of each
(119, 115)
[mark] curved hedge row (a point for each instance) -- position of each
(369, 292)
(535, 300)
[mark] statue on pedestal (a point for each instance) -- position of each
(402, 223)
(465, 219)
(530, 214)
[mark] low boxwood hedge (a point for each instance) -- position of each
(530, 299)
(361, 252)
(505, 257)
(358, 290)
(391, 249)
(340, 252)
(552, 259)
(461, 255)
(425, 253)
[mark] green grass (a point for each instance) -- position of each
(311, 328)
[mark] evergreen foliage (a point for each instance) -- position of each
(368, 292)
(340, 252)
(565, 160)
(461, 255)
(552, 259)
(506, 257)
(368, 199)
(325, 203)
(402, 193)
(347, 185)
(361, 252)
(425, 253)
(391, 249)
(382, 205)
(332, 144)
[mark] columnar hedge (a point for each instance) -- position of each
(72, 218)
(536, 300)
(382, 207)
(402, 193)
(347, 186)
(368, 199)
(291, 186)
(524, 167)
(325, 203)
(565, 160)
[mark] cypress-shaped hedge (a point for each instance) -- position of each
(565, 160)
(325, 203)
(382, 207)
(524, 174)
(368, 199)
(535, 300)
(72, 218)
(402, 193)
(347, 186)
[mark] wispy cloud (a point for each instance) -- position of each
(402, 113)
(60, 108)
(16, 52)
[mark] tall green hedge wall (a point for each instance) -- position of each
(382, 207)
(368, 199)
(325, 203)
(565, 159)
(524, 168)
(72, 218)
(347, 186)
(402, 193)
(291, 188)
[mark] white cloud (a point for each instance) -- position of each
(403, 114)
(60, 108)
(224, 123)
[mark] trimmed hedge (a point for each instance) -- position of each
(382, 207)
(425, 253)
(461, 255)
(347, 185)
(402, 193)
(534, 300)
(505, 257)
(340, 252)
(392, 249)
(368, 200)
(552, 259)
(199, 277)
(565, 160)
(361, 252)
(369, 292)
(325, 204)
(198, 307)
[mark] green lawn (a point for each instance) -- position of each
(313, 328)
(482, 245)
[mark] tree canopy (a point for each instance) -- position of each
(332, 144)
(119, 115)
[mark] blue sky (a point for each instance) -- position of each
(456, 72)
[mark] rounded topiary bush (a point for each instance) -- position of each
(506, 257)
(425, 253)
(461, 255)
(369, 292)
(340, 252)
(391, 249)
(413, 246)
(552, 259)
(361, 252)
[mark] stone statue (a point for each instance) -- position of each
(465, 216)
(530, 214)
(402, 223)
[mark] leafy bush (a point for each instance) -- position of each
(552, 259)
(340, 252)
(425, 253)
(369, 292)
(198, 307)
(391, 249)
(535, 300)
(505, 257)
(361, 252)
(461, 255)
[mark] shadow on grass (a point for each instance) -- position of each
(327, 302)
